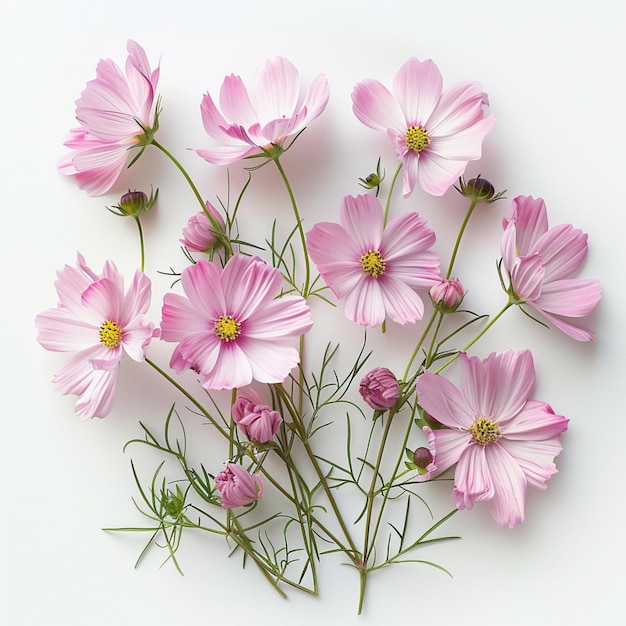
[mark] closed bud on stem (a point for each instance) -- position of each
(380, 388)
(134, 202)
(479, 190)
(422, 458)
(447, 295)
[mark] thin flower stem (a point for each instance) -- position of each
(189, 397)
(470, 210)
(214, 223)
(391, 188)
(419, 345)
(141, 242)
(307, 263)
(318, 470)
(500, 313)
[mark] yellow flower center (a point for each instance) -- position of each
(227, 328)
(110, 334)
(417, 138)
(484, 431)
(373, 263)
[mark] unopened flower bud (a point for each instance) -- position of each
(423, 460)
(374, 179)
(199, 234)
(256, 420)
(447, 295)
(135, 202)
(422, 457)
(380, 388)
(479, 189)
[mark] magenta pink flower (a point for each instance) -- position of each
(380, 388)
(435, 132)
(251, 123)
(238, 487)
(199, 235)
(97, 321)
(116, 112)
(374, 268)
(500, 440)
(540, 262)
(232, 326)
(256, 420)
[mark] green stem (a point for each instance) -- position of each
(217, 227)
(189, 397)
(391, 187)
(470, 210)
(500, 313)
(307, 263)
(141, 243)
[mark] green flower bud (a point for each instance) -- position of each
(479, 189)
(373, 180)
(134, 202)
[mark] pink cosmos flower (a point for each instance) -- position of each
(97, 321)
(374, 268)
(237, 486)
(231, 325)
(199, 235)
(114, 111)
(256, 420)
(435, 132)
(250, 123)
(540, 262)
(500, 440)
(380, 388)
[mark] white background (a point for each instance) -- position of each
(554, 72)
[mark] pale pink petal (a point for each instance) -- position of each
(375, 107)
(527, 277)
(60, 331)
(234, 102)
(202, 285)
(463, 145)
(231, 369)
(225, 155)
(498, 387)
(473, 480)
(571, 298)
(531, 220)
(441, 399)
(137, 336)
(460, 106)
(437, 174)
(362, 217)
(288, 316)
(316, 99)
(535, 422)
(417, 86)
(277, 90)
(535, 458)
(364, 304)
(579, 333)
(401, 303)
(270, 362)
(563, 250)
(508, 502)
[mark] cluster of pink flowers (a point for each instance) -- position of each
(233, 324)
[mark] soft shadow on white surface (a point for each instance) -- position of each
(554, 75)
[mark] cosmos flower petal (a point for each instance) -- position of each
(417, 86)
(441, 399)
(375, 107)
(535, 458)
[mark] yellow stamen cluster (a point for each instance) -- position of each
(417, 138)
(227, 328)
(373, 263)
(484, 431)
(110, 334)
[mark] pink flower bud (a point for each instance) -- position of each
(199, 234)
(447, 295)
(256, 420)
(380, 388)
(237, 486)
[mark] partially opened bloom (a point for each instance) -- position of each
(540, 262)
(256, 420)
(380, 388)
(501, 441)
(373, 268)
(447, 295)
(116, 111)
(435, 132)
(199, 233)
(231, 326)
(100, 323)
(252, 122)
(238, 487)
